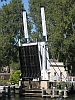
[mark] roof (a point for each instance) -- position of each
(57, 64)
(4, 73)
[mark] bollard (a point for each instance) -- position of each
(4, 88)
(3, 95)
(20, 88)
(14, 91)
(8, 91)
(60, 93)
(65, 93)
(20, 83)
(53, 92)
(43, 92)
(20, 91)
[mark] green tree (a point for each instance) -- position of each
(60, 24)
(15, 65)
(15, 77)
(11, 29)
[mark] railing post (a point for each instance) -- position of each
(3, 94)
(65, 93)
(53, 91)
(8, 91)
(20, 88)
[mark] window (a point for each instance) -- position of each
(60, 76)
(60, 73)
(2, 77)
(49, 75)
(54, 73)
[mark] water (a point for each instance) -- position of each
(71, 97)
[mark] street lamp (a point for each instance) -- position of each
(71, 70)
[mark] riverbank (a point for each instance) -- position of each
(50, 92)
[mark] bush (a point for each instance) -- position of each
(3, 81)
(63, 84)
(15, 77)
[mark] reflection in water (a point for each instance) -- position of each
(72, 97)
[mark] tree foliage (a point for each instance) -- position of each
(15, 77)
(60, 22)
(11, 29)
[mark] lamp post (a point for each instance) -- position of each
(71, 70)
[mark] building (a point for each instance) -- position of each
(57, 71)
(5, 76)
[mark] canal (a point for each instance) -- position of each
(71, 97)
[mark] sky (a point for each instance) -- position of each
(8, 1)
